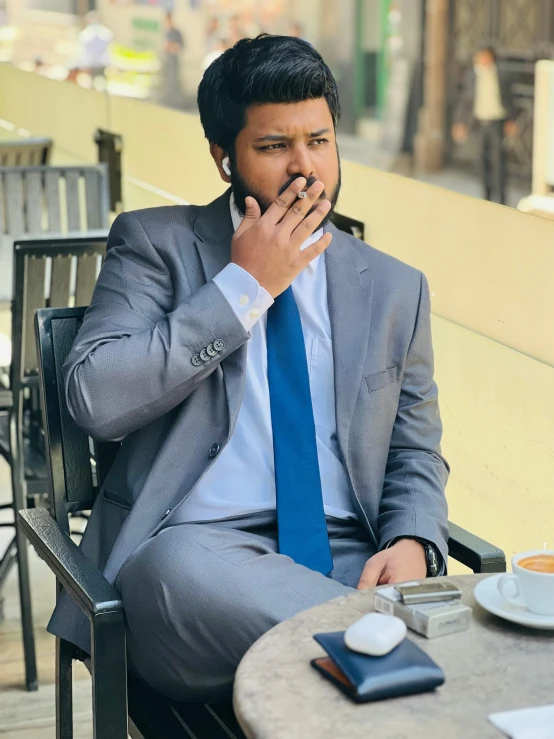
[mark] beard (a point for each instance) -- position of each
(242, 189)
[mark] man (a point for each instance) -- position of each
(171, 89)
(488, 94)
(94, 42)
(272, 381)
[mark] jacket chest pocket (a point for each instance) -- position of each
(381, 380)
(112, 497)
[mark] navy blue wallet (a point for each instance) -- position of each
(405, 670)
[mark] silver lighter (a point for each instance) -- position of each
(427, 591)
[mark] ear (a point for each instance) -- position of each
(218, 155)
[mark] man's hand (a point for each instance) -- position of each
(404, 561)
(459, 133)
(510, 129)
(268, 246)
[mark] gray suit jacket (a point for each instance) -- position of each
(130, 376)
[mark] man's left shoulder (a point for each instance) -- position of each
(385, 267)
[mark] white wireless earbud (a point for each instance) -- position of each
(226, 167)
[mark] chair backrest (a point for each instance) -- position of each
(25, 152)
(35, 200)
(49, 272)
(48, 200)
(77, 465)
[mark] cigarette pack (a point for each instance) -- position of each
(429, 619)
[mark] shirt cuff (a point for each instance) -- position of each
(245, 295)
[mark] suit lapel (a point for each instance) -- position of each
(214, 230)
(349, 293)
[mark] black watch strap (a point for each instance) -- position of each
(433, 559)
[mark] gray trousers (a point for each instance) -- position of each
(493, 161)
(198, 595)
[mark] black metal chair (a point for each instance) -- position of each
(76, 481)
(52, 272)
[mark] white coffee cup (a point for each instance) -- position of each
(529, 588)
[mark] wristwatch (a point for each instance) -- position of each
(433, 558)
(432, 555)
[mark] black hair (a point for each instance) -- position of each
(267, 69)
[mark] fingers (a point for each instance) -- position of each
(280, 206)
(311, 252)
(299, 209)
(371, 573)
(308, 225)
(251, 215)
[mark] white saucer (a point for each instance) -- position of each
(487, 595)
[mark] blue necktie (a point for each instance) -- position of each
(302, 528)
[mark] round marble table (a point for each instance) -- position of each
(494, 666)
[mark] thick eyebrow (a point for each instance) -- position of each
(283, 137)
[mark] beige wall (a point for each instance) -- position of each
(497, 407)
(67, 113)
(490, 269)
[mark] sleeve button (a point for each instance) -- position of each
(212, 351)
(204, 356)
(197, 360)
(219, 345)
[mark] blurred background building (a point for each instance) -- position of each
(400, 64)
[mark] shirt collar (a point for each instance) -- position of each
(237, 220)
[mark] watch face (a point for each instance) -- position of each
(432, 561)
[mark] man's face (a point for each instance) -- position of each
(483, 59)
(281, 142)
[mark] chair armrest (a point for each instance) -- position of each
(78, 575)
(474, 552)
(102, 604)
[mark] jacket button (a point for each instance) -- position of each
(204, 356)
(212, 351)
(214, 450)
(219, 345)
(197, 360)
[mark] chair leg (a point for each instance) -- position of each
(18, 486)
(109, 676)
(64, 689)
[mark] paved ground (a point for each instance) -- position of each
(364, 151)
(31, 715)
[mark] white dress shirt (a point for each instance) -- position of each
(242, 478)
(488, 98)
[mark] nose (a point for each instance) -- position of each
(300, 161)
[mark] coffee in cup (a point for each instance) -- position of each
(531, 583)
(538, 563)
